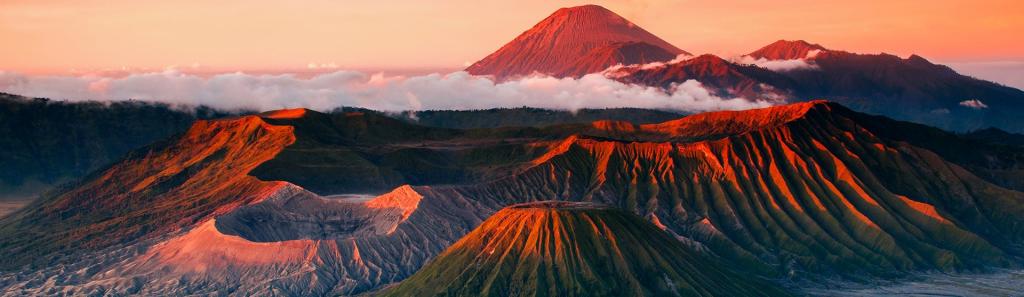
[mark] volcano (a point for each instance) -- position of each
(557, 248)
(576, 41)
(573, 42)
(298, 202)
(721, 77)
(911, 89)
(788, 50)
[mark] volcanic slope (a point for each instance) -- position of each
(803, 187)
(44, 143)
(557, 248)
(788, 50)
(575, 41)
(254, 206)
(912, 88)
(723, 78)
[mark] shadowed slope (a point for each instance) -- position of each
(532, 117)
(913, 88)
(155, 190)
(44, 143)
(798, 191)
(722, 77)
(794, 188)
(573, 249)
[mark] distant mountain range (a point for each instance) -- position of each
(582, 40)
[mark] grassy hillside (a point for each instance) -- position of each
(46, 142)
(531, 117)
(574, 249)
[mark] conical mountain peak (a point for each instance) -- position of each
(787, 50)
(575, 36)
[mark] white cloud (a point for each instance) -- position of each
(775, 65)
(973, 103)
(619, 70)
(457, 90)
(779, 65)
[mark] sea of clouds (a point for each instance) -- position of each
(453, 91)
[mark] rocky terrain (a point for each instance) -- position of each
(267, 205)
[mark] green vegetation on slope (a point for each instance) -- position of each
(44, 143)
(574, 249)
(531, 117)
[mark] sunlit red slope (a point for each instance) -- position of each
(249, 204)
(575, 41)
(802, 187)
(724, 78)
(558, 248)
(788, 50)
(156, 190)
(186, 217)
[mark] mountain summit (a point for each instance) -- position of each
(787, 50)
(575, 41)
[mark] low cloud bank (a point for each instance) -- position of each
(780, 65)
(775, 65)
(974, 103)
(457, 90)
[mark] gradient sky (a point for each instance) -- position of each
(55, 36)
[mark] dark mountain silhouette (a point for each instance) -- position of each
(48, 142)
(911, 89)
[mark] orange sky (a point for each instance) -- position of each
(55, 36)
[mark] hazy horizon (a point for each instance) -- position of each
(61, 36)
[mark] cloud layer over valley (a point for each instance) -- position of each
(779, 65)
(457, 90)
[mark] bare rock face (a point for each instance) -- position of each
(294, 243)
(305, 215)
(573, 42)
(799, 190)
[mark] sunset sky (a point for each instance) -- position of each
(57, 36)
